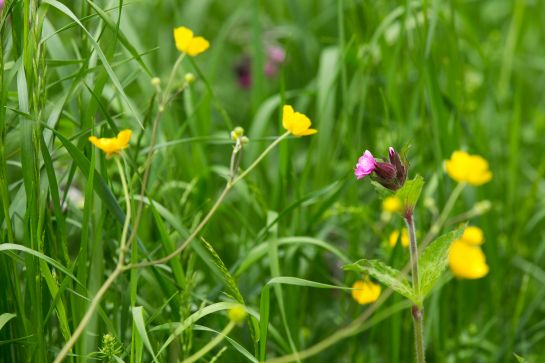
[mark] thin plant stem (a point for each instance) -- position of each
(109, 281)
(438, 224)
(417, 310)
(355, 326)
(230, 184)
(211, 344)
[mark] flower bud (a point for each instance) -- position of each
(237, 314)
(156, 81)
(237, 133)
(391, 174)
(244, 140)
(189, 78)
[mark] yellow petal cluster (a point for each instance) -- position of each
(466, 168)
(466, 258)
(237, 314)
(189, 44)
(112, 145)
(296, 122)
(394, 237)
(365, 292)
(391, 204)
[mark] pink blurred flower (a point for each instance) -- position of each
(1, 4)
(276, 56)
(366, 165)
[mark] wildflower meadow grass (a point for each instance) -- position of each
(272, 181)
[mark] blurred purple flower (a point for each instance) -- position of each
(243, 69)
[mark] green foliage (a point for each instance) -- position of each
(440, 76)
(387, 275)
(433, 261)
(409, 193)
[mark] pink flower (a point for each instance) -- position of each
(366, 165)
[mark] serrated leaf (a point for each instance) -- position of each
(409, 193)
(434, 259)
(387, 275)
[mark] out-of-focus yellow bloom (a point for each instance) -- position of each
(473, 236)
(467, 261)
(296, 122)
(466, 258)
(237, 314)
(112, 145)
(394, 237)
(466, 168)
(189, 44)
(391, 204)
(365, 292)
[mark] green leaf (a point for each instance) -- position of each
(410, 192)
(4, 318)
(519, 358)
(138, 316)
(387, 275)
(434, 259)
(382, 191)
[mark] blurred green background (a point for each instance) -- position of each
(436, 76)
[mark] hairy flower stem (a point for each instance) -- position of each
(117, 271)
(417, 310)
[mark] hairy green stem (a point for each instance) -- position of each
(417, 310)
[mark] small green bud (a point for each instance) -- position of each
(244, 140)
(156, 81)
(237, 133)
(189, 78)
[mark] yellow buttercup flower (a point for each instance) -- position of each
(473, 236)
(237, 314)
(467, 261)
(466, 168)
(112, 145)
(391, 204)
(365, 292)
(394, 237)
(466, 258)
(296, 123)
(189, 44)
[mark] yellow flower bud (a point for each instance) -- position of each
(237, 314)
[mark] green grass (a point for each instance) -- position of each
(435, 76)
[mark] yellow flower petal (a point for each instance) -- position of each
(296, 123)
(183, 37)
(392, 240)
(394, 237)
(467, 261)
(466, 168)
(112, 145)
(365, 292)
(473, 236)
(391, 204)
(197, 46)
(237, 314)
(287, 117)
(189, 44)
